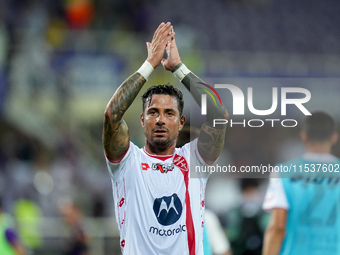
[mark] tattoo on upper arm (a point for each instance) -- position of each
(210, 142)
(115, 138)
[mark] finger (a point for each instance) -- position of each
(148, 45)
(164, 30)
(156, 33)
(166, 36)
(167, 49)
(170, 37)
(173, 34)
(159, 29)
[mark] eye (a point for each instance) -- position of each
(152, 112)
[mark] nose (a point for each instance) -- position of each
(160, 120)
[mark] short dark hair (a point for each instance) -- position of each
(319, 126)
(166, 89)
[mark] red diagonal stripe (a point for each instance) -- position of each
(189, 222)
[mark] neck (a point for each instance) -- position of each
(315, 147)
(159, 150)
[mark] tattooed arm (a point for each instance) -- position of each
(210, 139)
(116, 133)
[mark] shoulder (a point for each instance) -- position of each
(132, 150)
(131, 156)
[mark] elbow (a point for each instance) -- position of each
(107, 114)
(108, 111)
(276, 230)
(110, 115)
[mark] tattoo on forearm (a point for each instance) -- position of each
(125, 95)
(211, 141)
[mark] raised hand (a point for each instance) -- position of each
(173, 58)
(161, 37)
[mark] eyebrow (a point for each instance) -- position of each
(166, 109)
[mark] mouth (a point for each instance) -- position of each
(160, 132)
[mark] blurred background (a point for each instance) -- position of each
(61, 61)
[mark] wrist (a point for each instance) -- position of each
(180, 71)
(146, 69)
(176, 67)
(153, 63)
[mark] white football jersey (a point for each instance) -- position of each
(159, 208)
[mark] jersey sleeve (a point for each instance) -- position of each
(275, 196)
(117, 168)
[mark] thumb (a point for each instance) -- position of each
(148, 45)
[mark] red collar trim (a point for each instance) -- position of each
(160, 157)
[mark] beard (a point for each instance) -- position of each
(161, 142)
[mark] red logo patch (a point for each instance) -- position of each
(121, 202)
(122, 243)
(145, 166)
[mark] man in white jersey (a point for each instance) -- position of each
(305, 203)
(159, 207)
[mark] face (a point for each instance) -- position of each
(161, 121)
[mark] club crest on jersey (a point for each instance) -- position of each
(181, 163)
(162, 167)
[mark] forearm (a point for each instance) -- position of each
(273, 239)
(211, 139)
(115, 132)
(197, 88)
(124, 96)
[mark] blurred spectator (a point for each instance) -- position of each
(9, 240)
(78, 243)
(217, 238)
(29, 218)
(304, 205)
(79, 13)
(246, 222)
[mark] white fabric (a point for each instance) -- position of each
(217, 237)
(146, 69)
(275, 196)
(143, 195)
(181, 72)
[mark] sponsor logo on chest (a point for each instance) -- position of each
(162, 167)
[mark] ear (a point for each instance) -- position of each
(181, 122)
(334, 138)
(142, 119)
(303, 137)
